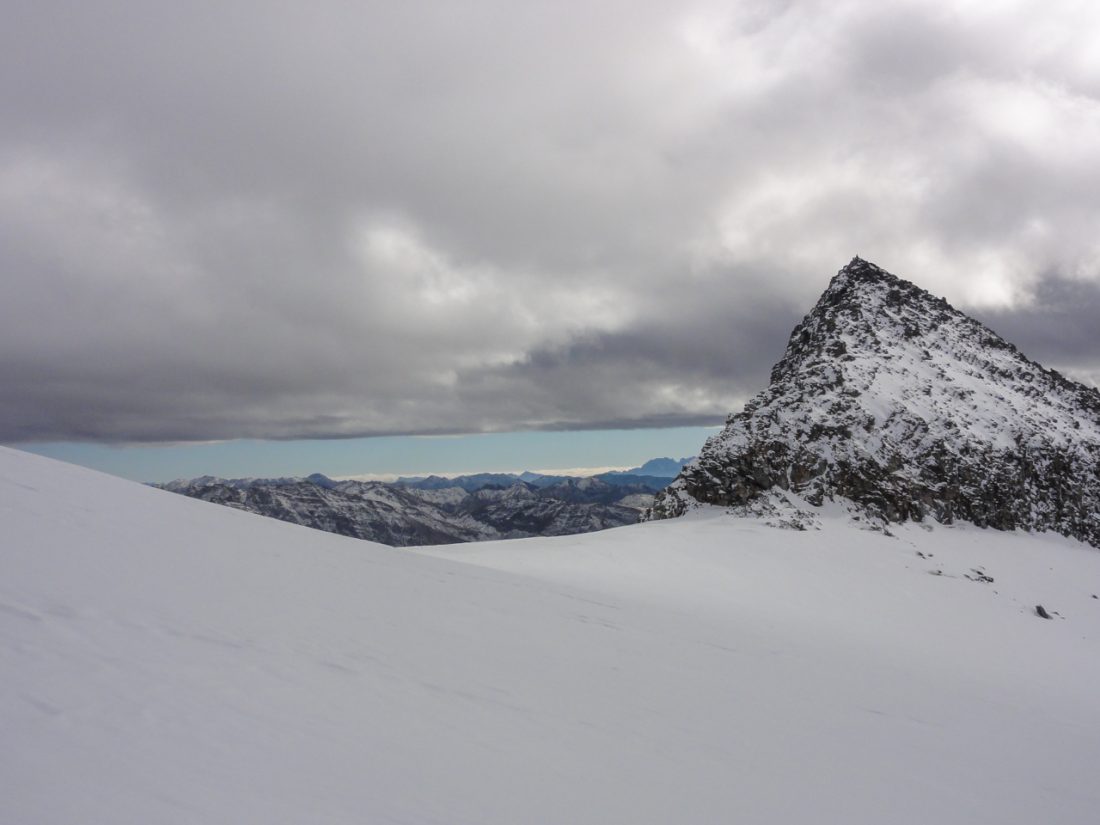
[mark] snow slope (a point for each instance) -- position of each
(165, 660)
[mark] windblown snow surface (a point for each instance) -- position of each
(164, 660)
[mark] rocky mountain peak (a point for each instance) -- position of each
(863, 305)
(858, 271)
(900, 406)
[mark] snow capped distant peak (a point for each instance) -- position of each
(890, 398)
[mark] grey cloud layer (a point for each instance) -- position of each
(257, 220)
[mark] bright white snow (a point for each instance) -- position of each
(164, 660)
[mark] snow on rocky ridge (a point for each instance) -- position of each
(889, 399)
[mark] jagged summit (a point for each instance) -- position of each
(858, 271)
(865, 307)
(892, 401)
(859, 277)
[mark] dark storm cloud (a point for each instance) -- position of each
(664, 371)
(1058, 328)
(281, 220)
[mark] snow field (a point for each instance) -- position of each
(166, 660)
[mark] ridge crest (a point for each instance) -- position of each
(897, 405)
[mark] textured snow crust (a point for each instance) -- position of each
(164, 661)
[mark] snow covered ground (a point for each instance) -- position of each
(165, 660)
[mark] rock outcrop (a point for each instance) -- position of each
(899, 406)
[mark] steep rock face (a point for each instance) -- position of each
(889, 399)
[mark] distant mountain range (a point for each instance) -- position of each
(655, 474)
(659, 467)
(439, 510)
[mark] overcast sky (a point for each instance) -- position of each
(288, 220)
